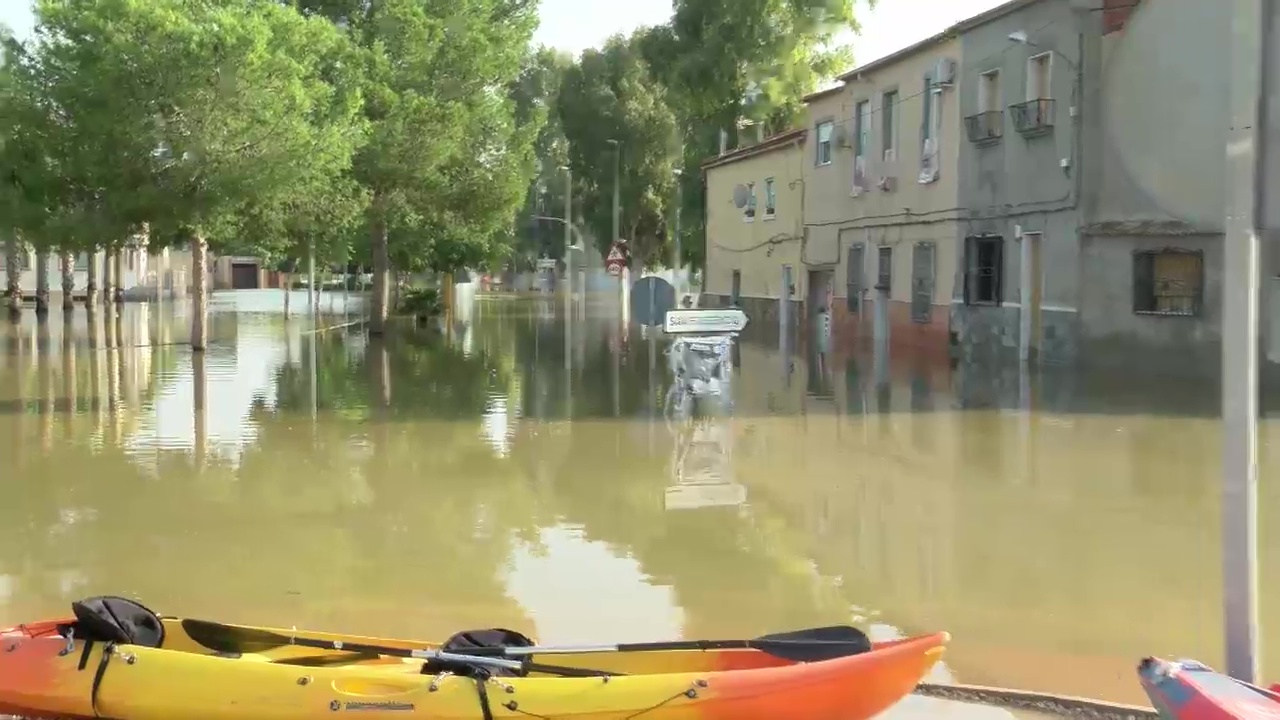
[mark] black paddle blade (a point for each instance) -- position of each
(814, 644)
(224, 638)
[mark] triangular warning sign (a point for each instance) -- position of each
(615, 255)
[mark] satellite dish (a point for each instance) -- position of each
(740, 195)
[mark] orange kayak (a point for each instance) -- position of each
(150, 667)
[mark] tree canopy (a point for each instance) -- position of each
(665, 93)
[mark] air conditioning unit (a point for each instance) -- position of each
(944, 71)
(840, 136)
(890, 156)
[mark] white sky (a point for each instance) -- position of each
(577, 24)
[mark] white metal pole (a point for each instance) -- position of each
(1252, 27)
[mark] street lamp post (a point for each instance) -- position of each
(568, 270)
(678, 264)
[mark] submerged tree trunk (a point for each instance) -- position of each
(381, 273)
(42, 283)
(199, 292)
(68, 266)
(108, 282)
(13, 273)
(91, 281)
(117, 265)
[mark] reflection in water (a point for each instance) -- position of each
(522, 475)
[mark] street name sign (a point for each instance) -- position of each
(730, 320)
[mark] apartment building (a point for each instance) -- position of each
(755, 231)
(881, 197)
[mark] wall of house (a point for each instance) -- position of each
(1157, 189)
(1116, 334)
(757, 247)
(1021, 171)
(140, 273)
(891, 197)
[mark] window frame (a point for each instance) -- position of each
(770, 199)
(1032, 61)
(971, 244)
(889, 139)
(1197, 295)
(830, 125)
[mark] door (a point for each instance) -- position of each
(244, 276)
(1032, 294)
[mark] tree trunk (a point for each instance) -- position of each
(381, 272)
(117, 263)
(42, 283)
(287, 283)
(68, 266)
(13, 273)
(108, 282)
(199, 292)
(91, 280)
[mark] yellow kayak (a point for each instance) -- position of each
(117, 659)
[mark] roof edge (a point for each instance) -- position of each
(769, 144)
(954, 30)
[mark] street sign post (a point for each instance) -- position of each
(716, 322)
(651, 298)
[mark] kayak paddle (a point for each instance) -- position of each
(809, 645)
(232, 639)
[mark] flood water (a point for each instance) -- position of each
(1059, 527)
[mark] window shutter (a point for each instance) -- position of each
(998, 271)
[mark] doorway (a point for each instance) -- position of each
(818, 305)
(1032, 295)
(244, 276)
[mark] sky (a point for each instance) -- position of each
(574, 25)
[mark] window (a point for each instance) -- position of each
(989, 91)
(930, 127)
(1039, 75)
(884, 269)
(862, 118)
(984, 270)
(770, 199)
(861, 143)
(922, 280)
(1168, 282)
(735, 290)
(888, 130)
(986, 126)
(853, 277)
(825, 129)
(749, 213)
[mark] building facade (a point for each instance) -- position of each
(881, 197)
(1027, 94)
(1043, 181)
(1151, 240)
(755, 231)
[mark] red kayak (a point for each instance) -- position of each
(1188, 690)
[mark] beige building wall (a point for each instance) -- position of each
(898, 199)
(882, 161)
(758, 245)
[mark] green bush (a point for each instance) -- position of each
(420, 302)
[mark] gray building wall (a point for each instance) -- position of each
(1160, 151)
(1019, 180)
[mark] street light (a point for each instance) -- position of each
(617, 171)
(679, 259)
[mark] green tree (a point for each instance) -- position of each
(536, 94)
(198, 112)
(446, 163)
(611, 95)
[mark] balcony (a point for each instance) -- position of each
(985, 128)
(1033, 117)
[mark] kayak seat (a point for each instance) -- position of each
(470, 640)
(108, 618)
